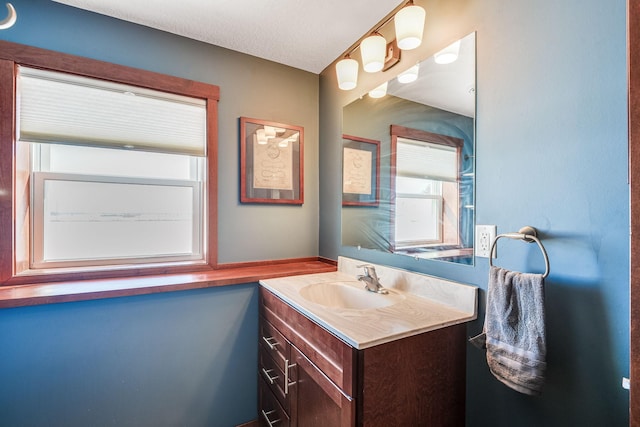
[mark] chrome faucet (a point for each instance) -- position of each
(370, 279)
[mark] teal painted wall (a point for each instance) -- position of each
(551, 153)
(181, 358)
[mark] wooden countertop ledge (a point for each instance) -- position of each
(226, 274)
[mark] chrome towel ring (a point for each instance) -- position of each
(527, 234)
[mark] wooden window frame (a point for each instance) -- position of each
(49, 289)
(14, 223)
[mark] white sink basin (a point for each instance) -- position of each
(348, 295)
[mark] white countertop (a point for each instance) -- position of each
(412, 315)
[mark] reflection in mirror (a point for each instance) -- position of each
(425, 178)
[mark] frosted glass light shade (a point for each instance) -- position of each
(409, 23)
(347, 72)
(373, 50)
(411, 75)
(379, 92)
(448, 55)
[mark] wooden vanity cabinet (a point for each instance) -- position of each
(311, 378)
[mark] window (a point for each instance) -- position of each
(116, 171)
(97, 206)
(112, 172)
(426, 190)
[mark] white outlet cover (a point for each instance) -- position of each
(485, 235)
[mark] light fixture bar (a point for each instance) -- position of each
(409, 28)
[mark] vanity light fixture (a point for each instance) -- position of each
(411, 75)
(409, 23)
(347, 72)
(379, 91)
(373, 50)
(448, 55)
(379, 55)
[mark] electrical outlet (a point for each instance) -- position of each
(485, 235)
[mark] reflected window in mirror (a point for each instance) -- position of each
(425, 201)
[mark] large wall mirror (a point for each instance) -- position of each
(409, 162)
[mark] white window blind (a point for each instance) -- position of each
(426, 160)
(63, 108)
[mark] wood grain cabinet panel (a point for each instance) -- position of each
(413, 381)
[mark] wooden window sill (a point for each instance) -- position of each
(226, 274)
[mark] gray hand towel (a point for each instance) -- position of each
(514, 329)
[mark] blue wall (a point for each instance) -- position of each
(551, 153)
(186, 358)
(181, 358)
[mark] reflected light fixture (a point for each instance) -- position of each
(411, 75)
(286, 141)
(448, 55)
(269, 132)
(379, 92)
(261, 137)
(347, 72)
(373, 50)
(409, 23)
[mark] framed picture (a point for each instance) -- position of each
(360, 171)
(271, 162)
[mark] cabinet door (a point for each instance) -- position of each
(315, 400)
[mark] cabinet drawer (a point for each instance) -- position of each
(334, 357)
(272, 341)
(270, 412)
(276, 377)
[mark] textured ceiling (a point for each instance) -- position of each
(305, 34)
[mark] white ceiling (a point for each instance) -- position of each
(305, 34)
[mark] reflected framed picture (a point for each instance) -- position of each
(271, 162)
(360, 171)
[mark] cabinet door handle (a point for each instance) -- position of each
(268, 376)
(287, 384)
(266, 417)
(272, 345)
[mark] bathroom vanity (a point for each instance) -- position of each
(333, 354)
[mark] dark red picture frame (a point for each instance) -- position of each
(271, 162)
